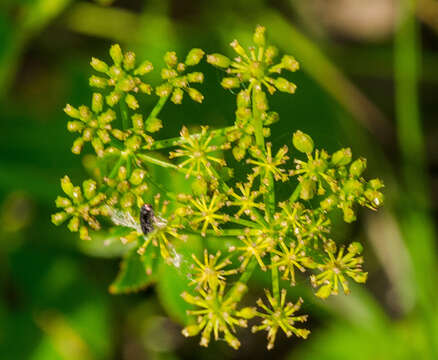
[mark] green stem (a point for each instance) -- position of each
(162, 163)
(175, 141)
(269, 195)
(157, 108)
(275, 281)
(125, 114)
(296, 194)
(116, 167)
(248, 271)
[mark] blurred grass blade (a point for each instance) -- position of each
(417, 223)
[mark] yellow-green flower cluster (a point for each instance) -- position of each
(284, 234)
(81, 206)
(123, 78)
(177, 81)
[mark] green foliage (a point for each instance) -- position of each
(275, 236)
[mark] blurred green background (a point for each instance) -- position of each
(369, 80)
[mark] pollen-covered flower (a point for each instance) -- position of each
(81, 207)
(177, 81)
(198, 153)
(124, 77)
(218, 314)
(256, 66)
(254, 246)
(93, 125)
(211, 272)
(204, 212)
(280, 315)
(336, 268)
(245, 199)
(287, 258)
(265, 163)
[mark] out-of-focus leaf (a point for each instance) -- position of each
(106, 244)
(133, 276)
(174, 279)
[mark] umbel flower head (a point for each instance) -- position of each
(123, 77)
(256, 66)
(210, 273)
(336, 268)
(177, 81)
(81, 207)
(93, 125)
(280, 315)
(217, 314)
(198, 153)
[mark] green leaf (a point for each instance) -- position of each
(107, 244)
(136, 272)
(175, 279)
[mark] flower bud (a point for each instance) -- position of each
(243, 99)
(73, 224)
(302, 142)
(127, 201)
(168, 74)
(374, 197)
(324, 291)
(247, 312)
(113, 98)
(308, 189)
(355, 248)
(230, 83)
(271, 118)
(238, 48)
(195, 77)
(284, 85)
(191, 330)
(259, 35)
(115, 72)
(358, 167)
(62, 202)
(59, 218)
(232, 340)
(376, 184)
(77, 146)
(170, 59)
(238, 153)
(289, 63)
(144, 68)
(260, 101)
(116, 54)
(66, 185)
(219, 60)
(98, 65)
(360, 277)
(330, 246)
(133, 143)
(342, 157)
(89, 188)
(75, 126)
(137, 177)
(163, 90)
(328, 203)
(83, 233)
(153, 125)
(131, 101)
(145, 88)
(129, 61)
(177, 96)
(71, 111)
(194, 57)
(127, 84)
(195, 95)
(98, 146)
(270, 53)
(349, 215)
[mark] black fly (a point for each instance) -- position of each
(147, 218)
